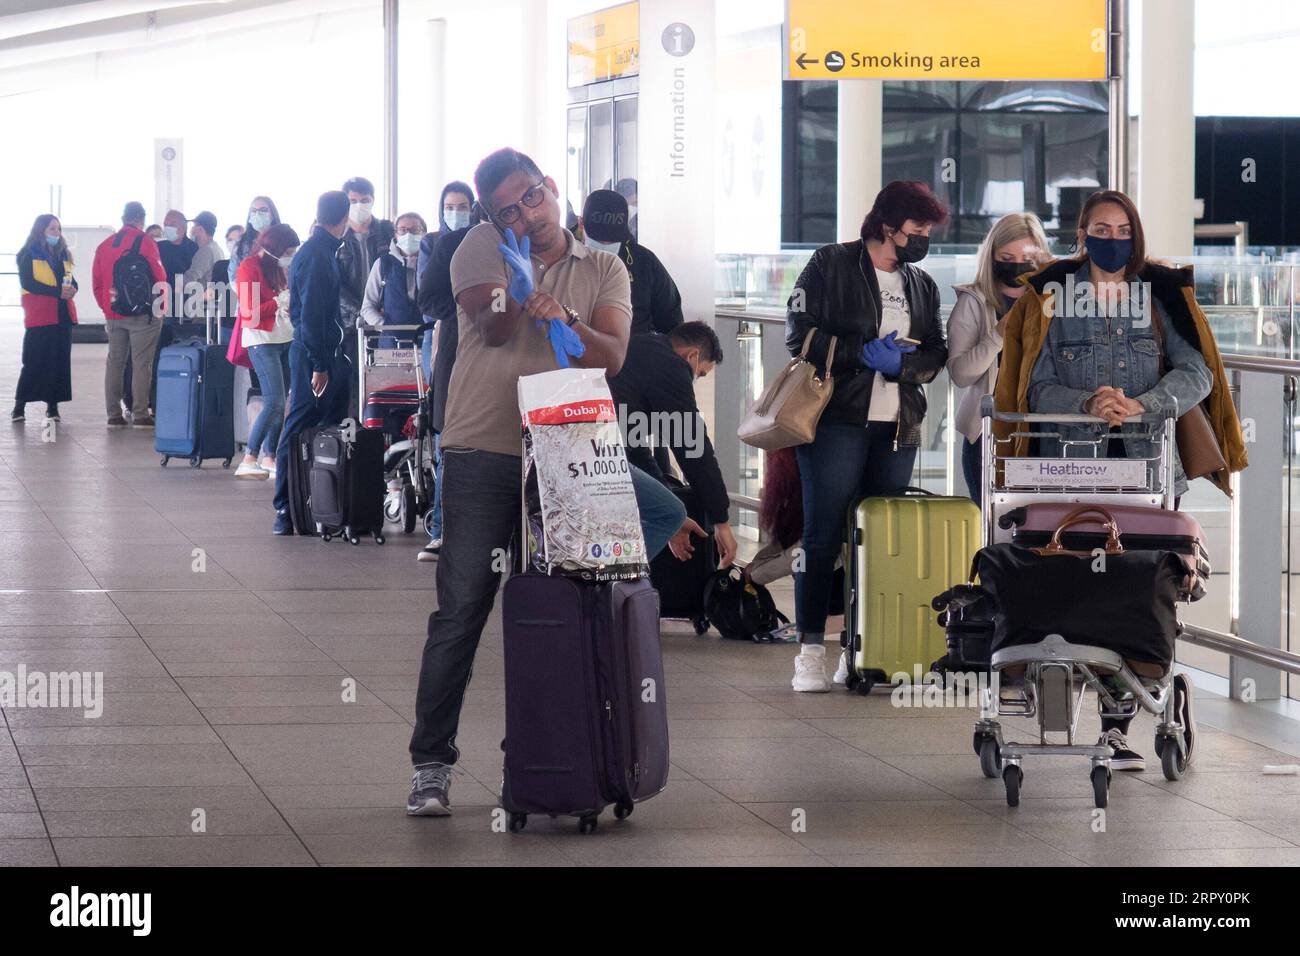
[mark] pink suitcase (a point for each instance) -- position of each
(1141, 529)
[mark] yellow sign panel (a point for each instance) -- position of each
(605, 45)
(946, 40)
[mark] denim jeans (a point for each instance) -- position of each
(842, 465)
(972, 463)
(270, 362)
(435, 521)
(477, 531)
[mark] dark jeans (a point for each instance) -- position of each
(972, 462)
(842, 465)
(483, 490)
(308, 411)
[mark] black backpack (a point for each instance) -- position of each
(741, 610)
(132, 281)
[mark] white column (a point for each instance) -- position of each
(1167, 127)
(535, 16)
(861, 114)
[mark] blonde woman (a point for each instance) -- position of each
(1015, 246)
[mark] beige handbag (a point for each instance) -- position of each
(1199, 451)
(787, 412)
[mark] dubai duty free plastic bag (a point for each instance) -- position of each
(581, 516)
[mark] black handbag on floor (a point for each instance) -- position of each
(1124, 601)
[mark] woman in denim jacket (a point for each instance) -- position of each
(1113, 334)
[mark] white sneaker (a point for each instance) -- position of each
(842, 672)
(250, 470)
(268, 466)
(810, 670)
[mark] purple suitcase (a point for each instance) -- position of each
(586, 714)
(1140, 529)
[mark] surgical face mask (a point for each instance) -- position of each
(1110, 255)
(170, 233)
(52, 240)
(409, 243)
(456, 218)
(610, 247)
(259, 220)
(1008, 272)
(284, 261)
(360, 212)
(914, 251)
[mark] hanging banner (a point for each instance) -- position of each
(168, 177)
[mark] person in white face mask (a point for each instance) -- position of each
(367, 240)
(656, 303)
(390, 291)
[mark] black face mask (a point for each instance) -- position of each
(914, 251)
(1008, 272)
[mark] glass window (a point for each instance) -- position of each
(576, 173)
(625, 111)
(809, 129)
(600, 161)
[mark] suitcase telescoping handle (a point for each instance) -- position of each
(1081, 515)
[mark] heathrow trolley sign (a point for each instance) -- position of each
(946, 40)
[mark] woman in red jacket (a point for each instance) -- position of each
(262, 286)
(45, 273)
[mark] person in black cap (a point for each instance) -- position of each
(656, 303)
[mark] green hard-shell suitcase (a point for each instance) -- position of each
(902, 550)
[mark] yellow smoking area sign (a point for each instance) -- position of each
(946, 40)
(605, 45)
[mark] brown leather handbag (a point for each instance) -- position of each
(1198, 446)
(787, 412)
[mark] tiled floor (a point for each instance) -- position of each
(224, 705)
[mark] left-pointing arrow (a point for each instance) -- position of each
(804, 59)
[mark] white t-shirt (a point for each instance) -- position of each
(280, 333)
(895, 316)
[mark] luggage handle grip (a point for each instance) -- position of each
(1079, 516)
(910, 491)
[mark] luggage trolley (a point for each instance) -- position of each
(1056, 672)
(399, 407)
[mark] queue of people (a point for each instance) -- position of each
(514, 285)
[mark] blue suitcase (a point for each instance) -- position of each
(195, 411)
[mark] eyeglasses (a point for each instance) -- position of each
(509, 215)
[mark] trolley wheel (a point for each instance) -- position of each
(1100, 786)
(701, 625)
(865, 685)
(852, 680)
(409, 510)
(588, 824)
(379, 538)
(165, 459)
(226, 463)
(1172, 760)
(622, 811)
(977, 739)
(517, 822)
(1012, 778)
(990, 757)
(326, 537)
(354, 540)
(196, 461)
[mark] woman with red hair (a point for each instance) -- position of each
(865, 307)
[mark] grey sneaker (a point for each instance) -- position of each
(430, 785)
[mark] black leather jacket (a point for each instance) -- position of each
(837, 295)
(353, 270)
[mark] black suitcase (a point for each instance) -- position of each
(681, 584)
(586, 711)
(300, 483)
(347, 483)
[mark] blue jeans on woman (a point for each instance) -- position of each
(842, 465)
(270, 363)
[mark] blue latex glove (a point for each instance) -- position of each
(564, 341)
(885, 355)
(521, 266)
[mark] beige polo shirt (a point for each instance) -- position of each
(482, 402)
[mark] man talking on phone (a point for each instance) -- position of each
(319, 372)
